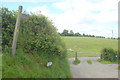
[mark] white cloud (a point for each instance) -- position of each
(28, 1)
(82, 8)
(39, 9)
(62, 5)
(78, 16)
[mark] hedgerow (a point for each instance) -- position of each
(38, 43)
(36, 34)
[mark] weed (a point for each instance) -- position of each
(89, 61)
(76, 61)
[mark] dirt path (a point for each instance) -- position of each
(94, 70)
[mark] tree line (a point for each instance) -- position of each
(71, 33)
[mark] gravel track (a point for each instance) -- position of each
(94, 70)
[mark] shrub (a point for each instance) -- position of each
(118, 56)
(109, 54)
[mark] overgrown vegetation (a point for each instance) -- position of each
(118, 68)
(109, 54)
(0, 47)
(76, 61)
(106, 62)
(0, 66)
(38, 43)
(34, 66)
(89, 61)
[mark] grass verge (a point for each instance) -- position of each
(0, 66)
(34, 66)
(76, 61)
(107, 62)
(118, 68)
(89, 61)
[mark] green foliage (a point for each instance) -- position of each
(8, 24)
(118, 54)
(118, 68)
(36, 34)
(37, 43)
(89, 61)
(64, 33)
(106, 62)
(40, 36)
(109, 54)
(71, 33)
(76, 61)
(0, 66)
(77, 34)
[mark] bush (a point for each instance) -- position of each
(109, 54)
(118, 56)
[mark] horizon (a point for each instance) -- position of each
(98, 18)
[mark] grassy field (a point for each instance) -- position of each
(88, 46)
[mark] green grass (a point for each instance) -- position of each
(107, 62)
(34, 66)
(89, 61)
(72, 54)
(88, 45)
(76, 61)
(118, 68)
(0, 57)
(0, 67)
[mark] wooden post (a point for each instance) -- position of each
(75, 55)
(16, 30)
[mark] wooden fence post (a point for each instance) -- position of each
(75, 55)
(16, 30)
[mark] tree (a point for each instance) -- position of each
(83, 34)
(59, 33)
(71, 33)
(77, 34)
(65, 32)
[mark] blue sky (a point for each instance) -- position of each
(97, 17)
(28, 5)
